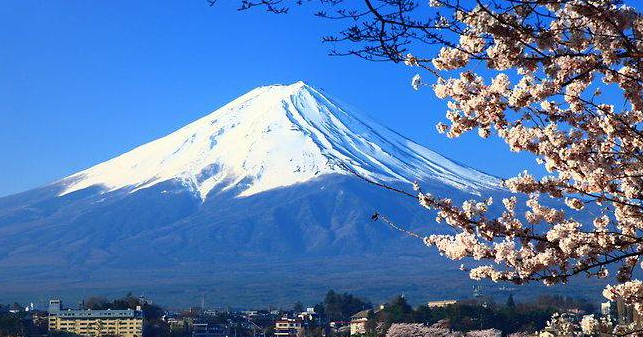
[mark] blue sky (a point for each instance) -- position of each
(81, 81)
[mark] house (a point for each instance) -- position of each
(359, 322)
(288, 327)
(308, 315)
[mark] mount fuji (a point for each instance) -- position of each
(276, 136)
(256, 203)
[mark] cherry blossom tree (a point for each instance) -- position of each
(484, 333)
(559, 79)
(564, 325)
(421, 330)
(562, 56)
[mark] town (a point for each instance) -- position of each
(338, 314)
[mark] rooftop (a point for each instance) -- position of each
(362, 314)
(69, 313)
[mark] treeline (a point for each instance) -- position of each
(468, 315)
(339, 307)
(151, 311)
(480, 314)
(153, 325)
(16, 322)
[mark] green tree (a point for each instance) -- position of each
(468, 316)
(342, 306)
(298, 307)
(16, 306)
(332, 306)
(127, 302)
(319, 309)
(96, 303)
(10, 324)
(510, 301)
(399, 311)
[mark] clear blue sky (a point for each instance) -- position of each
(83, 81)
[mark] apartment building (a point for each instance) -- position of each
(95, 323)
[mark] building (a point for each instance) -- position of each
(39, 318)
(308, 315)
(627, 314)
(288, 327)
(178, 323)
(208, 330)
(441, 304)
(545, 334)
(359, 321)
(606, 308)
(124, 323)
(338, 324)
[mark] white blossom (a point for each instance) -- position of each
(416, 81)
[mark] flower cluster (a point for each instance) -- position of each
(421, 330)
(549, 65)
(565, 325)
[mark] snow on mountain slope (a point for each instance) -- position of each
(276, 136)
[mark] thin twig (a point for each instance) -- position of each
(384, 218)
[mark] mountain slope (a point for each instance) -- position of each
(271, 137)
(258, 188)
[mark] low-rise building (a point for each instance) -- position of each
(308, 315)
(208, 330)
(288, 327)
(124, 323)
(440, 304)
(178, 322)
(359, 321)
(606, 309)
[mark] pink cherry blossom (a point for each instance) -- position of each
(549, 65)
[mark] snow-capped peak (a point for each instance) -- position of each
(276, 136)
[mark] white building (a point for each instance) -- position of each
(288, 327)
